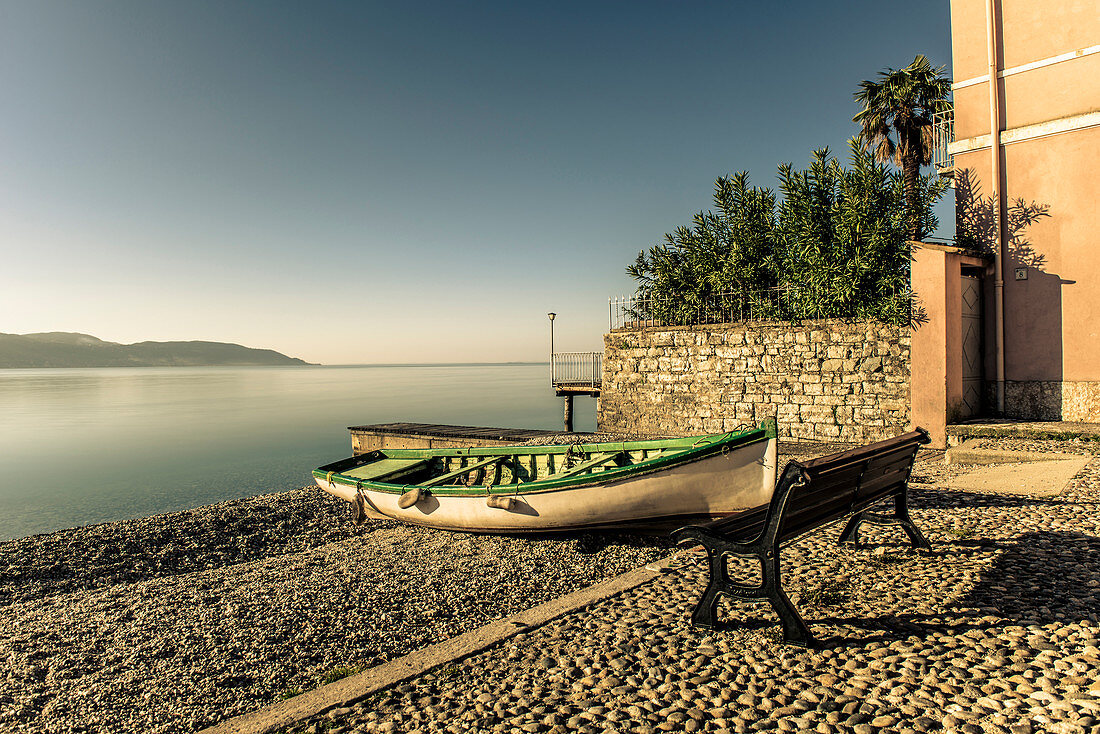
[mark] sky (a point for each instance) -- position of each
(365, 182)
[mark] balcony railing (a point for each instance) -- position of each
(576, 369)
(943, 134)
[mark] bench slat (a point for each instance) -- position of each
(825, 473)
(743, 524)
(839, 486)
(829, 510)
(882, 485)
(902, 442)
(841, 480)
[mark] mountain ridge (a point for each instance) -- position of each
(65, 349)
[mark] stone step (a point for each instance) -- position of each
(1032, 430)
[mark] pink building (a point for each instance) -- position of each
(1013, 313)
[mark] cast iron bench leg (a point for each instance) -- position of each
(850, 534)
(795, 630)
(705, 615)
(910, 527)
(706, 611)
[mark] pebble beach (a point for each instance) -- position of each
(175, 622)
(180, 621)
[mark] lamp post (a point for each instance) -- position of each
(568, 396)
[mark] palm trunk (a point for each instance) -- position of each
(910, 171)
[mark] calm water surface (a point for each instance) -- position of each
(91, 445)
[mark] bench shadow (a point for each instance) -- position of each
(1039, 578)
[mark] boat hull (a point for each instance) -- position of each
(713, 486)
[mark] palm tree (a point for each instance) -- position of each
(901, 104)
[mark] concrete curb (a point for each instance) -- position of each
(349, 690)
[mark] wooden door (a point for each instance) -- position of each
(972, 377)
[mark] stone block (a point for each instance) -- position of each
(788, 411)
(871, 364)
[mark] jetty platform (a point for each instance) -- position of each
(436, 436)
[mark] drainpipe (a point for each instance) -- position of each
(998, 211)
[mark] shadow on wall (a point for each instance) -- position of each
(1032, 302)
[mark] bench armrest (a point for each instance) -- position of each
(695, 535)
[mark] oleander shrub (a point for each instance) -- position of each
(834, 244)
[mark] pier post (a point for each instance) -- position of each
(568, 413)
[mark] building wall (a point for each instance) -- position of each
(821, 380)
(1049, 186)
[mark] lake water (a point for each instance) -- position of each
(91, 445)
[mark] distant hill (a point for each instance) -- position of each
(63, 349)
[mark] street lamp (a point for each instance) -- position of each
(551, 315)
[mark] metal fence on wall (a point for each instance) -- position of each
(786, 303)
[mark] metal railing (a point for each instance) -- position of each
(943, 134)
(576, 368)
(787, 303)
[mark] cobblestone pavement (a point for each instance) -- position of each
(995, 630)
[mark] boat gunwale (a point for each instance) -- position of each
(721, 442)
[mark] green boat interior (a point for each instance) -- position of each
(512, 465)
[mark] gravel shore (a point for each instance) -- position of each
(175, 622)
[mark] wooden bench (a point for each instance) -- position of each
(807, 496)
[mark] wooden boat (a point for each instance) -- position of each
(515, 489)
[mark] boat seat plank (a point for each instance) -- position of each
(665, 453)
(586, 465)
(443, 478)
(386, 468)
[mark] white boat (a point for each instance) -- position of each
(517, 489)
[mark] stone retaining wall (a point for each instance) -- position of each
(822, 380)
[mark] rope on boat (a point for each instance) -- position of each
(569, 453)
(367, 501)
(360, 504)
(328, 477)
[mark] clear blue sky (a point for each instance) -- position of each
(361, 182)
